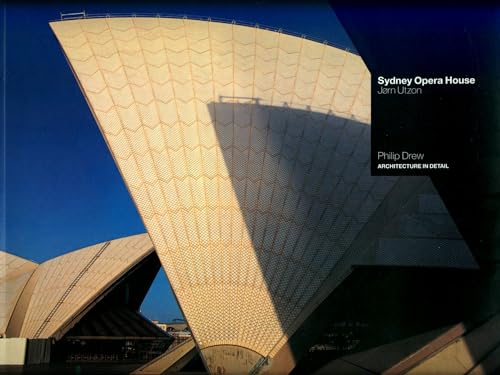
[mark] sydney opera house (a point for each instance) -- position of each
(86, 300)
(246, 152)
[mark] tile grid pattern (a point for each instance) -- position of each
(66, 284)
(68, 290)
(223, 134)
(14, 274)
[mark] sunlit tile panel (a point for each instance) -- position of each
(65, 285)
(14, 274)
(246, 152)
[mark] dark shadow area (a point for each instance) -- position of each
(194, 366)
(300, 178)
(380, 305)
(475, 207)
(403, 43)
(72, 369)
(304, 188)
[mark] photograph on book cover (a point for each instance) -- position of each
(253, 188)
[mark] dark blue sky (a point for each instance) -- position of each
(61, 187)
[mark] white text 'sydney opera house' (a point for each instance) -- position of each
(246, 152)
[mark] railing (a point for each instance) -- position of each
(85, 15)
(72, 16)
